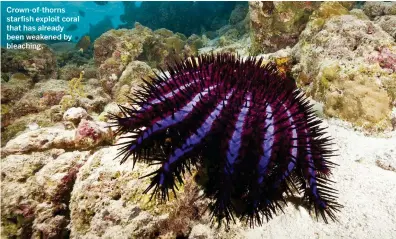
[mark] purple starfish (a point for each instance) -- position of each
(251, 131)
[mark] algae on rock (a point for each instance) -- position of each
(35, 192)
(275, 25)
(340, 61)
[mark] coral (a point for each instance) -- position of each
(356, 100)
(275, 25)
(89, 95)
(66, 186)
(326, 11)
(239, 13)
(56, 113)
(95, 100)
(41, 97)
(115, 49)
(40, 140)
(109, 109)
(359, 14)
(183, 212)
(50, 98)
(74, 57)
(15, 87)
(164, 32)
(240, 46)
(35, 191)
(20, 124)
(375, 9)
(385, 57)
(75, 115)
(346, 63)
(130, 80)
(37, 64)
(69, 71)
(90, 71)
(388, 24)
(107, 199)
(67, 102)
(229, 37)
(90, 134)
(348, 4)
(208, 108)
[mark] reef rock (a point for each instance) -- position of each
(130, 80)
(115, 49)
(89, 95)
(90, 134)
(348, 64)
(111, 108)
(39, 140)
(43, 95)
(388, 24)
(75, 115)
(375, 9)
(13, 127)
(108, 201)
(71, 71)
(275, 25)
(37, 64)
(25, 106)
(239, 13)
(14, 89)
(239, 46)
(87, 135)
(56, 194)
(36, 191)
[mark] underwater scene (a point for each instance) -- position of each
(198, 119)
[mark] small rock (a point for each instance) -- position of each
(90, 134)
(56, 113)
(33, 126)
(75, 115)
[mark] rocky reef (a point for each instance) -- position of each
(37, 64)
(348, 64)
(115, 49)
(276, 25)
(60, 178)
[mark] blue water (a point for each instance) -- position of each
(187, 17)
(93, 14)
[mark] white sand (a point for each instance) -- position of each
(367, 192)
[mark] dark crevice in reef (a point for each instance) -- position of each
(62, 197)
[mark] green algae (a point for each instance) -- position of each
(5, 109)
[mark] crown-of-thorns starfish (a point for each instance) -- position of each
(252, 131)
